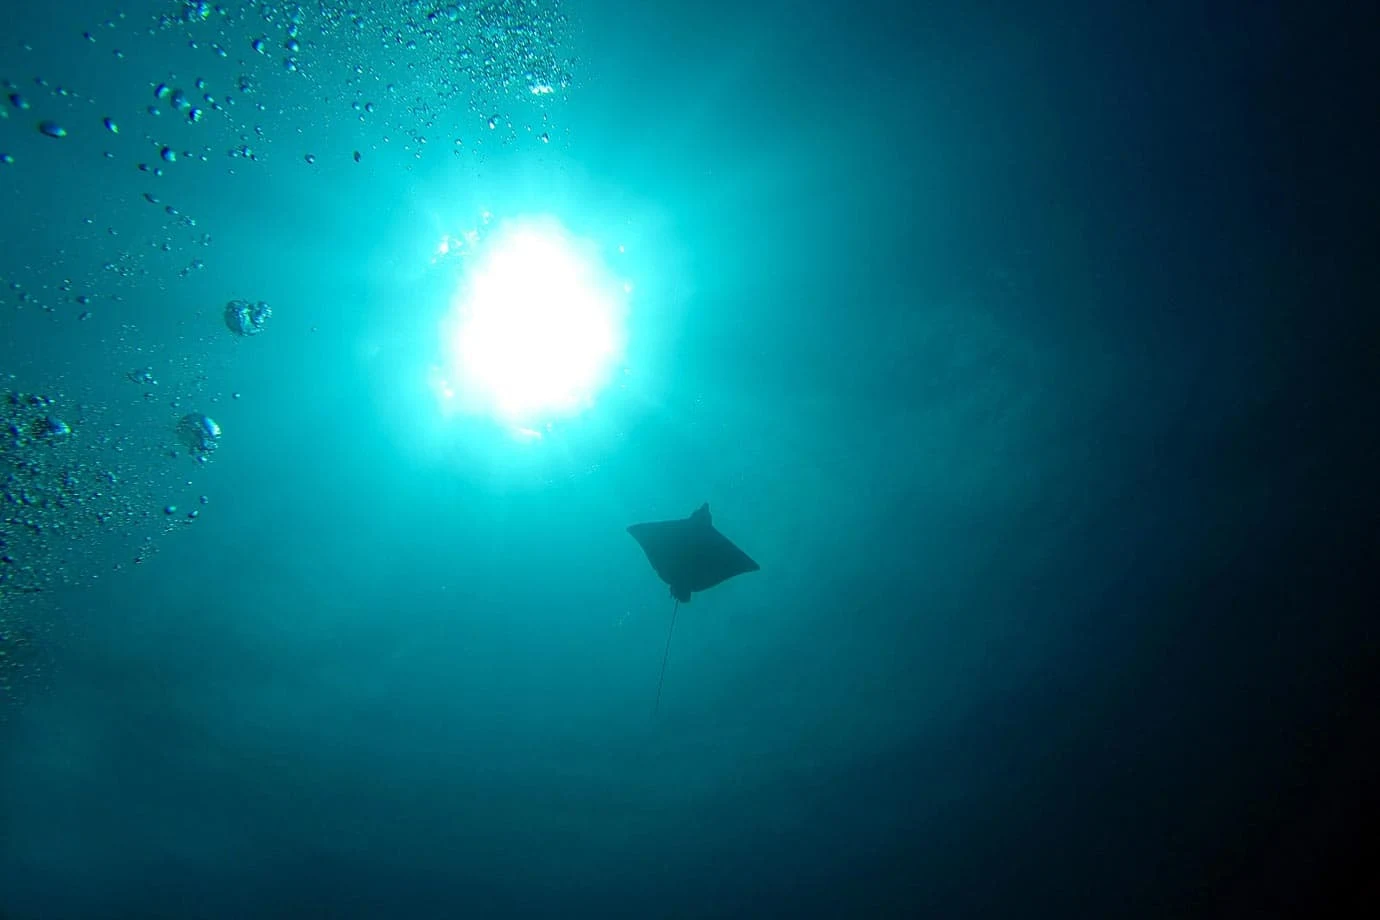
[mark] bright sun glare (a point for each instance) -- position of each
(537, 326)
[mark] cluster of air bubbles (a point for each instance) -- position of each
(70, 478)
(16, 646)
(29, 419)
(245, 318)
(449, 13)
(180, 101)
(70, 472)
(445, 66)
(200, 434)
(50, 427)
(194, 11)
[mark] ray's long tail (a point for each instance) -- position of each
(666, 654)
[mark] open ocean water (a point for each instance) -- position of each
(1028, 349)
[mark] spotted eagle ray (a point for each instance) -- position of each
(689, 555)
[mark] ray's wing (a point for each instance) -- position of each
(664, 543)
(719, 560)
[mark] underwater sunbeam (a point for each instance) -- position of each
(536, 328)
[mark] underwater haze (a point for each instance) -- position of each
(341, 344)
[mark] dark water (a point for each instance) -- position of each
(1018, 346)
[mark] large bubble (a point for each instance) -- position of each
(199, 433)
(245, 318)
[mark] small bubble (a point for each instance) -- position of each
(18, 101)
(111, 126)
(311, 158)
(52, 129)
(170, 509)
(168, 154)
(161, 91)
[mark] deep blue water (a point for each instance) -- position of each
(1015, 343)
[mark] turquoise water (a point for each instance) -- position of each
(962, 319)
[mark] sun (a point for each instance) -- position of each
(537, 326)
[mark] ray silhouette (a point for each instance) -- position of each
(690, 555)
